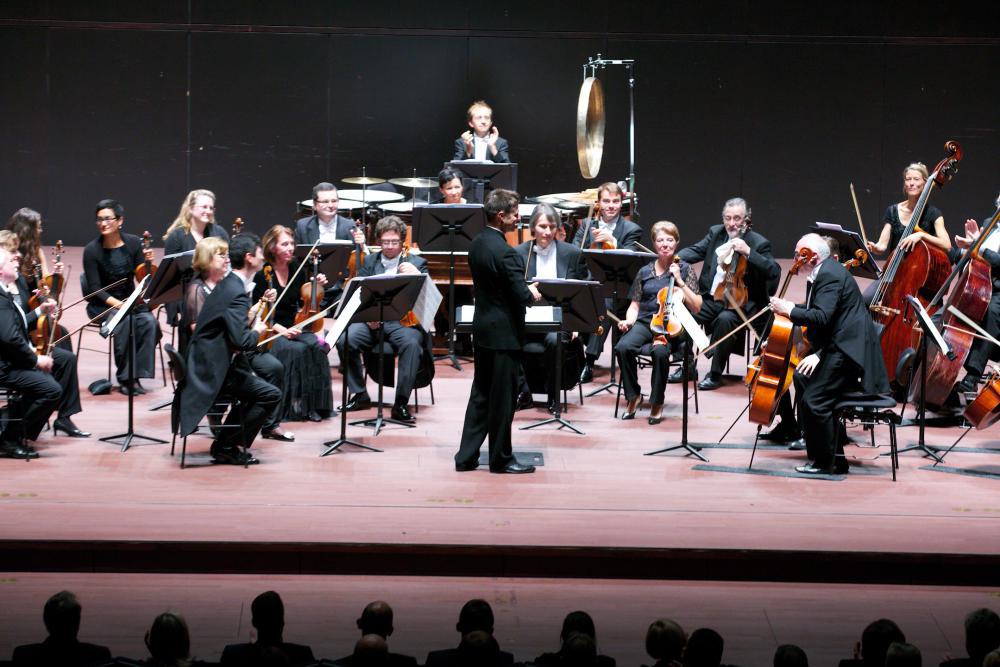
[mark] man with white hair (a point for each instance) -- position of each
(845, 354)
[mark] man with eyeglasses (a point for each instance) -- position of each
(409, 343)
(324, 224)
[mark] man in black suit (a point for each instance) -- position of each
(410, 344)
(733, 237)
(216, 358)
(608, 228)
(475, 624)
(845, 354)
(45, 381)
(267, 615)
(498, 336)
(981, 350)
(482, 142)
(61, 647)
(547, 257)
(324, 224)
(376, 621)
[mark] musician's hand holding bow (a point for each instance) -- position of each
(291, 333)
(781, 306)
(625, 325)
(406, 267)
(44, 363)
(808, 365)
(48, 306)
(358, 235)
(603, 236)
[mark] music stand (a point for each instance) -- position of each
(108, 328)
(448, 228)
(168, 286)
(615, 270)
(486, 174)
(581, 308)
(333, 260)
(850, 242)
(690, 448)
(930, 331)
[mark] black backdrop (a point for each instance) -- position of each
(784, 103)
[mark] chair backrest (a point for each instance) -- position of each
(176, 363)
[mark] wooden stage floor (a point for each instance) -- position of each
(597, 508)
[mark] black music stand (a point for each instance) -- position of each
(615, 270)
(448, 228)
(922, 356)
(486, 175)
(108, 328)
(581, 308)
(690, 448)
(850, 242)
(168, 286)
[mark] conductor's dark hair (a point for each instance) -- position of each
(500, 201)
(113, 204)
(239, 246)
(62, 615)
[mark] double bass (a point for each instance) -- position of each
(919, 273)
(971, 295)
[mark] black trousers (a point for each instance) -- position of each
(628, 349)
(267, 367)
(981, 350)
(719, 320)
(41, 394)
(408, 344)
(595, 343)
(147, 332)
(259, 399)
(490, 411)
(549, 343)
(835, 375)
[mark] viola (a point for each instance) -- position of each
(237, 226)
(54, 281)
(265, 307)
(732, 291)
(357, 257)
(664, 324)
(920, 273)
(410, 319)
(984, 411)
(770, 375)
(860, 257)
(42, 292)
(147, 268)
(311, 294)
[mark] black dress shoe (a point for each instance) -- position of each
(66, 425)
(278, 434)
(781, 433)
(13, 450)
(812, 469)
(797, 445)
(676, 376)
(514, 468)
(710, 382)
(524, 401)
(356, 402)
(968, 385)
(313, 416)
(466, 467)
(232, 456)
(630, 409)
(402, 414)
(587, 374)
(841, 468)
(553, 406)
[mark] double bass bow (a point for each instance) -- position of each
(919, 273)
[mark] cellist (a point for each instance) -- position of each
(845, 354)
(727, 242)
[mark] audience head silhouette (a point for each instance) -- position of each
(62, 616)
(790, 655)
(875, 641)
(982, 633)
(704, 649)
(901, 654)
(578, 622)
(478, 649)
(475, 615)
(376, 619)
(579, 650)
(168, 640)
(371, 651)
(665, 640)
(267, 614)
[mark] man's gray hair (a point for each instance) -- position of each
(817, 244)
(737, 201)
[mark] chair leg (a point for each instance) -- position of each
(173, 443)
(111, 353)
(431, 385)
(184, 446)
(416, 400)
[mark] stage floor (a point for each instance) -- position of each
(597, 502)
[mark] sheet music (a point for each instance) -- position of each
(427, 304)
(109, 326)
(343, 318)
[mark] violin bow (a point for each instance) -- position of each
(590, 223)
(320, 315)
(95, 293)
(527, 262)
(75, 331)
(739, 311)
(857, 212)
(746, 323)
(965, 318)
(52, 330)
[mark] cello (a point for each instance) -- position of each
(770, 375)
(971, 295)
(920, 273)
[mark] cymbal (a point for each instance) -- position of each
(413, 182)
(363, 180)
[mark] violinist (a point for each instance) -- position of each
(216, 357)
(109, 258)
(26, 224)
(607, 230)
(410, 344)
(725, 244)
(649, 282)
(897, 218)
(845, 354)
(46, 382)
(981, 351)
(306, 393)
(547, 257)
(327, 226)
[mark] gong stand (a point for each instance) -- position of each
(590, 120)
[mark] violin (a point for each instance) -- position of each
(237, 226)
(311, 294)
(357, 257)
(664, 324)
(732, 291)
(265, 307)
(41, 293)
(860, 257)
(147, 268)
(410, 319)
(54, 281)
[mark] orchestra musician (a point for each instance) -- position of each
(216, 358)
(327, 226)
(897, 218)
(981, 351)
(410, 343)
(845, 354)
(498, 336)
(733, 237)
(547, 257)
(45, 382)
(611, 229)
(648, 283)
(307, 394)
(110, 257)
(450, 186)
(482, 141)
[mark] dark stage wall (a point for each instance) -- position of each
(784, 103)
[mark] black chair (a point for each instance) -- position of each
(93, 326)
(869, 411)
(9, 401)
(425, 376)
(535, 372)
(178, 370)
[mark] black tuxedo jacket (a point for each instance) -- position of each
(373, 264)
(221, 331)
(836, 317)
(626, 233)
(502, 151)
(762, 271)
(307, 229)
(569, 260)
(501, 292)
(16, 350)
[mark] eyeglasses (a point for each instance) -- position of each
(322, 202)
(389, 243)
(117, 217)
